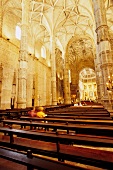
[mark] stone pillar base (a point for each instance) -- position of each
(21, 104)
(67, 101)
(54, 102)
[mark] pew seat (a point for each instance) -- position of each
(33, 162)
(90, 156)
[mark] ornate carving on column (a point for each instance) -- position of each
(1, 17)
(99, 81)
(67, 95)
(53, 71)
(29, 90)
(1, 72)
(21, 102)
(111, 42)
(104, 48)
(74, 82)
(102, 33)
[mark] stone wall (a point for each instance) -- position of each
(37, 70)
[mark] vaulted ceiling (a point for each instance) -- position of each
(71, 22)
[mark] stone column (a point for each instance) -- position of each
(1, 21)
(67, 95)
(103, 47)
(111, 42)
(36, 90)
(53, 71)
(21, 102)
(99, 78)
(29, 90)
(1, 18)
(75, 82)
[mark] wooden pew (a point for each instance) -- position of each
(79, 114)
(56, 107)
(89, 156)
(17, 112)
(66, 110)
(80, 109)
(72, 121)
(84, 112)
(33, 162)
(78, 139)
(77, 128)
(80, 117)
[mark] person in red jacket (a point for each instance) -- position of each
(32, 112)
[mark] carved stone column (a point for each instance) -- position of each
(36, 89)
(67, 95)
(53, 71)
(111, 42)
(75, 82)
(29, 90)
(21, 102)
(99, 78)
(1, 77)
(103, 48)
(1, 17)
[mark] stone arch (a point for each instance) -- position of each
(80, 54)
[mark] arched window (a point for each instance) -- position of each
(18, 32)
(43, 52)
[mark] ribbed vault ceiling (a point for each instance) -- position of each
(63, 20)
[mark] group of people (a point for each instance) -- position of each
(37, 112)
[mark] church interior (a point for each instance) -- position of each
(56, 56)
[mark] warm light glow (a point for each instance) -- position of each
(18, 32)
(69, 76)
(109, 84)
(49, 64)
(43, 52)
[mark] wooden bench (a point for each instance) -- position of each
(14, 113)
(72, 138)
(33, 162)
(79, 114)
(79, 109)
(85, 113)
(76, 121)
(88, 156)
(77, 128)
(66, 110)
(80, 117)
(17, 112)
(56, 107)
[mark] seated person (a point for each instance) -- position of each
(40, 112)
(32, 112)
